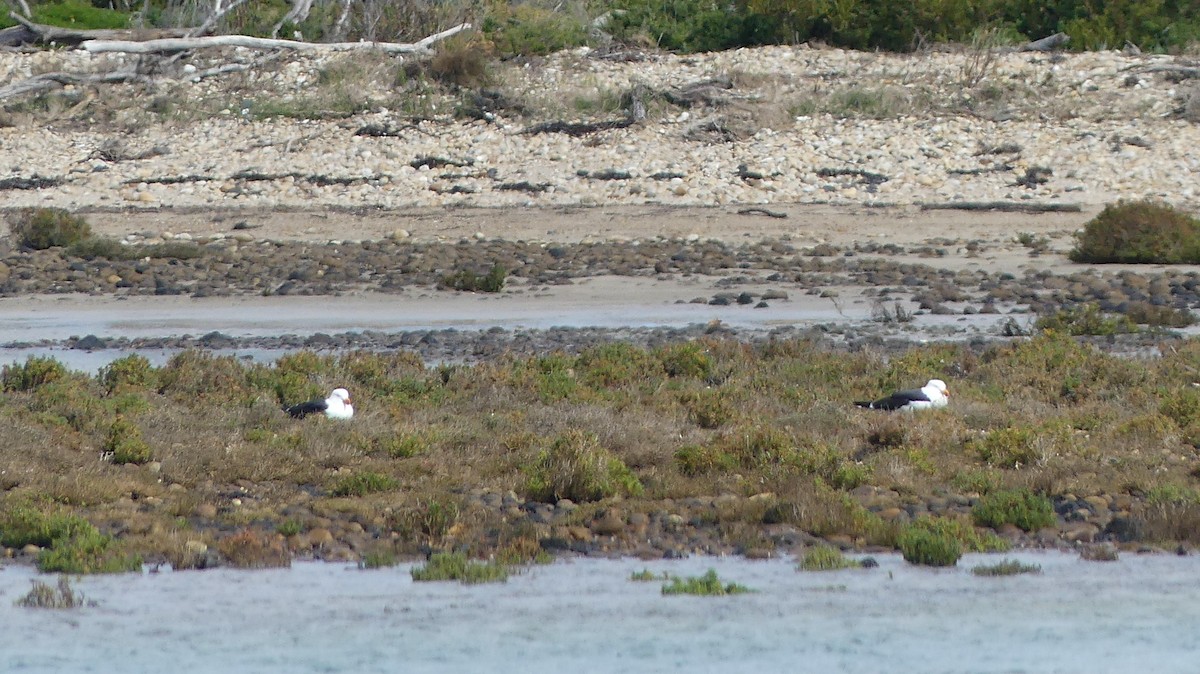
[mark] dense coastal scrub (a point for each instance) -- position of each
(532, 28)
(614, 448)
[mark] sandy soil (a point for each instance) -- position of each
(804, 224)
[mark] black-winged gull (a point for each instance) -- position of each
(932, 395)
(336, 406)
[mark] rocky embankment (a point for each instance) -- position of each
(753, 126)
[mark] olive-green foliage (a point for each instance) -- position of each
(72, 402)
(1020, 507)
(826, 558)
(646, 575)
(378, 558)
(613, 364)
(456, 566)
(929, 548)
(576, 467)
(361, 484)
(461, 61)
(1154, 315)
(469, 281)
(690, 25)
(1087, 319)
(79, 15)
(41, 228)
(87, 551)
(1011, 447)
(1008, 567)
(708, 585)
(961, 530)
(44, 595)
(528, 30)
(686, 359)
(132, 372)
(709, 408)
(1139, 231)
(35, 372)
(23, 524)
(125, 443)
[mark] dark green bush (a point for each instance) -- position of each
(527, 30)
(23, 524)
(1139, 231)
(35, 372)
(129, 372)
(124, 442)
(42, 228)
(928, 548)
(79, 15)
(1019, 507)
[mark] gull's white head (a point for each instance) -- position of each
(939, 394)
(338, 404)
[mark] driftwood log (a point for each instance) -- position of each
(168, 45)
(1008, 206)
(162, 41)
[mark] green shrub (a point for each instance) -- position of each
(128, 372)
(42, 228)
(646, 575)
(1008, 567)
(826, 558)
(1139, 231)
(1019, 507)
(444, 566)
(1087, 319)
(687, 359)
(378, 558)
(22, 524)
(36, 371)
(928, 548)
(1011, 447)
(87, 551)
(709, 408)
(614, 364)
(708, 585)
(961, 530)
(469, 281)
(576, 467)
(104, 248)
(703, 459)
(361, 484)
(124, 442)
(527, 30)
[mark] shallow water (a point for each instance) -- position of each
(1136, 614)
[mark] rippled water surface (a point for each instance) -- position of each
(1137, 614)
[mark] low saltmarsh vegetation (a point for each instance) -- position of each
(709, 438)
(62, 595)
(455, 566)
(708, 585)
(826, 558)
(1007, 567)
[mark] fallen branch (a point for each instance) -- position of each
(182, 44)
(1006, 206)
(48, 81)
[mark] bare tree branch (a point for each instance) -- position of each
(179, 44)
(218, 12)
(298, 13)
